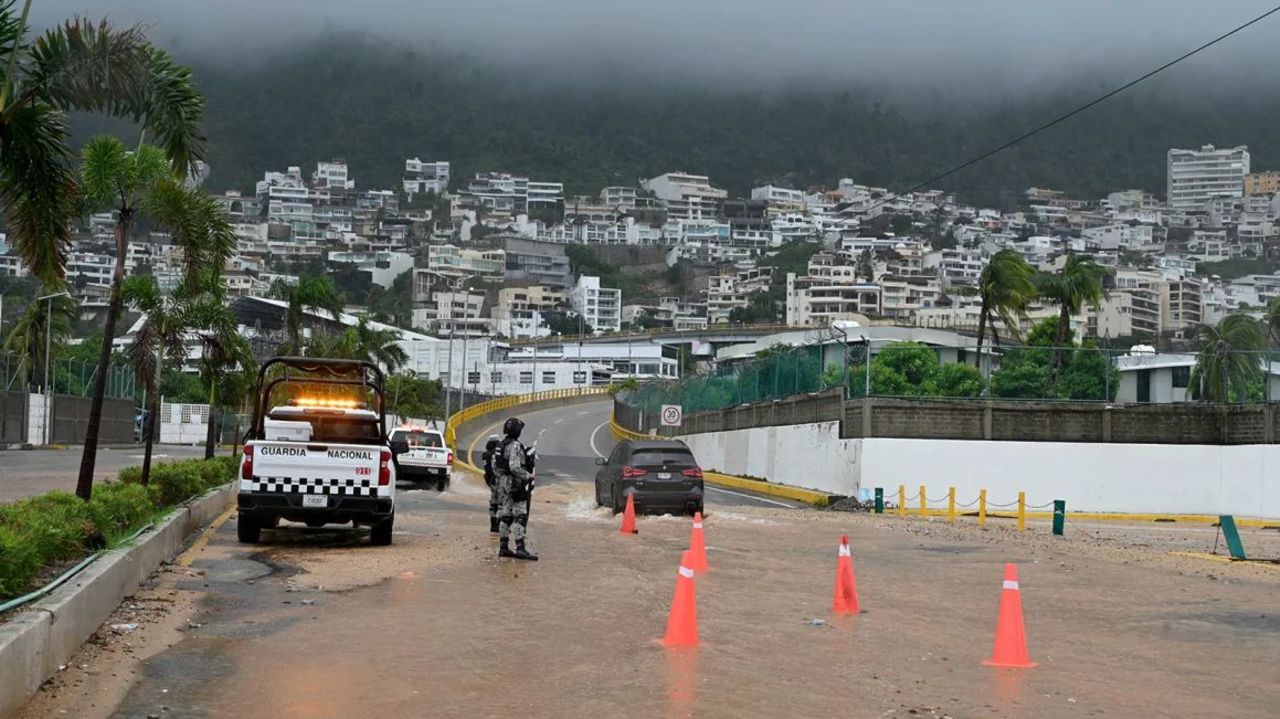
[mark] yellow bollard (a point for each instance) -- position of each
(1022, 511)
(982, 507)
(923, 501)
(951, 505)
(902, 500)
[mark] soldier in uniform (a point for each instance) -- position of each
(490, 457)
(514, 485)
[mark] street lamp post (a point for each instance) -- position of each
(48, 348)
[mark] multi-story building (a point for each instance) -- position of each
(600, 307)
(521, 311)
(818, 301)
(543, 263)
(686, 196)
(779, 199)
(332, 175)
(904, 295)
(422, 177)
(619, 196)
(1262, 183)
(959, 266)
(455, 261)
(1197, 176)
(383, 267)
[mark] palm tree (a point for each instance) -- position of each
(223, 350)
(308, 294)
(27, 337)
(114, 177)
(1077, 284)
(363, 341)
(1005, 286)
(1229, 361)
(78, 66)
(164, 327)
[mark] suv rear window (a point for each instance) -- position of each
(659, 457)
(343, 430)
(418, 439)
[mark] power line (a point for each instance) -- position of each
(1074, 112)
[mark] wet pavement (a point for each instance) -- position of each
(317, 623)
(24, 473)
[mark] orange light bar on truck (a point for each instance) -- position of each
(327, 402)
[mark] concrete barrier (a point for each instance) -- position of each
(49, 632)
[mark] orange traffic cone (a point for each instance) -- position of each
(697, 545)
(1011, 637)
(846, 598)
(682, 622)
(629, 517)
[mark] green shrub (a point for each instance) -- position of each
(19, 562)
(175, 482)
(118, 509)
(130, 475)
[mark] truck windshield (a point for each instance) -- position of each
(347, 430)
(420, 439)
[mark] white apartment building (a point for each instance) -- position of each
(1120, 236)
(383, 267)
(422, 177)
(600, 307)
(1197, 176)
(959, 266)
(463, 262)
(903, 296)
(686, 196)
(831, 291)
(619, 196)
(728, 292)
(780, 199)
(333, 175)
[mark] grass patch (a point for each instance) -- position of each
(41, 532)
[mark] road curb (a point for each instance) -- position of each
(35, 643)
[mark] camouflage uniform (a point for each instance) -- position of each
(512, 510)
(490, 458)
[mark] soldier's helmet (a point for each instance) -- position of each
(513, 427)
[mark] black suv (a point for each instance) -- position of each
(661, 473)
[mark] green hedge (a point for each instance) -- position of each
(47, 529)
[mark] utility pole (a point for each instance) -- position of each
(448, 382)
(48, 339)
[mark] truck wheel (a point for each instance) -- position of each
(442, 484)
(380, 532)
(248, 528)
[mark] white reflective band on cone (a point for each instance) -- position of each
(1010, 584)
(844, 551)
(686, 572)
(697, 525)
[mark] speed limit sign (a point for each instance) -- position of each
(672, 414)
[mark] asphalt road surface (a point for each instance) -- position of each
(27, 472)
(318, 623)
(570, 438)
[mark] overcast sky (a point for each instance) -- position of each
(924, 44)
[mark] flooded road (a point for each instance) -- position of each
(317, 623)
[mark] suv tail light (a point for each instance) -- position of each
(384, 468)
(630, 471)
(695, 472)
(246, 464)
(451, 458)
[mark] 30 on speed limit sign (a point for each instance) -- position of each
(672, 414)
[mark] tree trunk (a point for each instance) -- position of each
(84, 483)
(1060, 337)
(153, 412)
(982, 330)
(211, 437)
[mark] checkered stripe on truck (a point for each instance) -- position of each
(305, 485)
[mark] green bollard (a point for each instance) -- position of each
(879, 500)
(1059, 515)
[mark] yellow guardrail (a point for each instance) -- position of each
(458, 418)
(918, 505)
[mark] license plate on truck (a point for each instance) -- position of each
(315, 501)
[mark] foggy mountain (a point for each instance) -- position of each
(596, 92)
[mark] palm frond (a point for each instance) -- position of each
(82, 66)
(37, 187)
(104, 162)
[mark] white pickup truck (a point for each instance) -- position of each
(421, 454)
(318, 460)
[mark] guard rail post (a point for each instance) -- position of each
(982, 508)
(879, 500)
(1059, 515)
(1022, 511)
(951, 505)
(923, 502)
(902, 500)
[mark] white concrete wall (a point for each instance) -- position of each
(1146, 478)
(807, 455)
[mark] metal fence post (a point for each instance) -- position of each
(1059, 515)
(879, 500)
(982, 507)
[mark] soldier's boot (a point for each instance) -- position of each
(493, 524)
(523, 553)
(504, 548)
